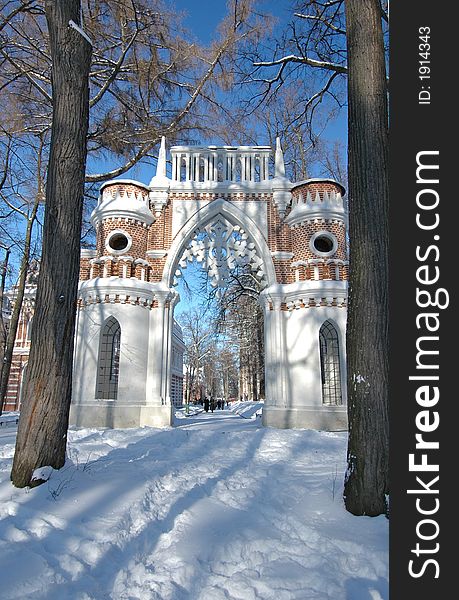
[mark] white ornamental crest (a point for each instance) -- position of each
(220, 248)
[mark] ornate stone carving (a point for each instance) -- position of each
(220, 247)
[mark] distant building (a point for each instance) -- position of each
(178, 349)
(22, 344)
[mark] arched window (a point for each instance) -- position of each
(108, 365)
(330, 365)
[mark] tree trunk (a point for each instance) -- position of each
(367, 481)
(16, 313)
(43, 423)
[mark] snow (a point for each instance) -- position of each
(216, 508)
(42, 474)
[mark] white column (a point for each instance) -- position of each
(279, 354)
(275, 354)
(211, 167)
(270, 365)
(206, 167)
(155, 354)
(265, 167)
(243, 168)
(174, 168)
(232, 172)
(198, 173)
(215, 166)
(196, 167)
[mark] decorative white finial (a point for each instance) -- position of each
(159, 185)
(279, 164)
(282, 196)
(160, 178)
(161, 165)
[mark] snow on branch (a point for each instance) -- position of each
(318, 64)
(73, 25)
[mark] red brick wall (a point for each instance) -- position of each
(318, 186)
(125, 188)
(136, 230)
(160, 233)
(301, 237)
(279, 234)
(281, 238)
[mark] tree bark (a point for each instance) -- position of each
(367, 479)
(43, 423)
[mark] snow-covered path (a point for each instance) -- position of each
(215, 508)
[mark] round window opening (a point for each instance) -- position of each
(118, 241)
(323, 244)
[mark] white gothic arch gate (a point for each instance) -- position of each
(291, 235)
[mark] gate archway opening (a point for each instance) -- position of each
(220, 263)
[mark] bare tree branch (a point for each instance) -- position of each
(322, 20)
(27, 75)
(21, 8)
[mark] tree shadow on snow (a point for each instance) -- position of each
(99, 579)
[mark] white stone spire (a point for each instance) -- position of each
(282, 196)
(160, 183)
(161, 166)
(279, 164)
(160, 177)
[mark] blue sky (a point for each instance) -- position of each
(204, 15)
(201, 18)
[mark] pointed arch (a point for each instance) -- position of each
(108, 362)
(330, 366)
(201, 218)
